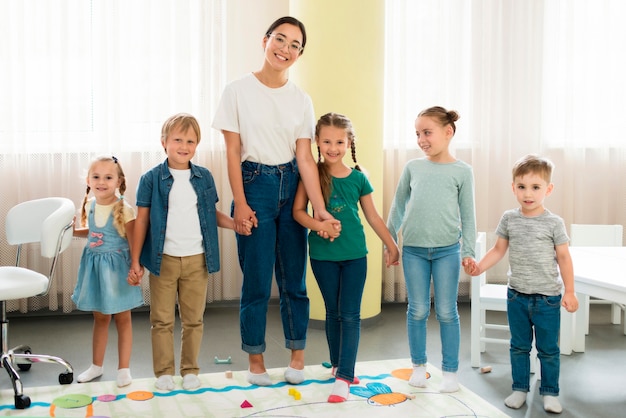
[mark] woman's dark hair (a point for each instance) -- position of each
(290, 21)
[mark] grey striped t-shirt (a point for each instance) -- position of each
(532, 256)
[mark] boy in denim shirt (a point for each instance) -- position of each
(176, 230)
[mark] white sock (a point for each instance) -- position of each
(123, 378)
(165, 382)
(191, 381)
(91, 373)
(418, 378)
(449, 382)
(294, 376)
(516, 399)
(552, 404)
(341, 390)
(259, 379)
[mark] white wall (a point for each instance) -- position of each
(247, 22)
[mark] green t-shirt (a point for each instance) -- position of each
(343, 205)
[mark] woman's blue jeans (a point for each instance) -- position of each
(277, 247)
(341, 284)
(443, 264)
(543, 313)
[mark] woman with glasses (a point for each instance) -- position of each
(268, 123)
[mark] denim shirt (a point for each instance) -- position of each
(153, 192)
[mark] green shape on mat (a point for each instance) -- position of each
(327, 365)
(72, 401)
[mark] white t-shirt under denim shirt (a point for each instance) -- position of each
(183, 236)
(268, 120)
(532, 256)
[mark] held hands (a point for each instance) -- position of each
(135, 274)
(244, 219)
(247, 227)
(330, 229)
(325, 217)
(471, 267)
(392, 256)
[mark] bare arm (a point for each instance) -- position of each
(242, 211)
(566, 267)
(310, 178)
(494, 255)
(140, 229)
(392, 253)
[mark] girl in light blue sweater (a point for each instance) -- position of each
(434, 209)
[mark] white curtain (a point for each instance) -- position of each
(83, 78)
(532, 76)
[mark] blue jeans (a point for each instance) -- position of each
(278, 246)
(341, 284)
(443, 264)
(543, 313)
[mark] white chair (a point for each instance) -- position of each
(488, 297)
(48, 222)
(587, 235)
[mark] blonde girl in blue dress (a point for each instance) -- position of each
(107, 222)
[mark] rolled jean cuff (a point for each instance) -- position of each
(295, 344)
(253, 349)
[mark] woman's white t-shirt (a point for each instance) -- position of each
(268, 120)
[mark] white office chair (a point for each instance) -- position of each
(48, 222)
(489, 297)
(585, 235)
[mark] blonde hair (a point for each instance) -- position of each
(535, 164)
(182, 120)
(335, 120)
(118, 209)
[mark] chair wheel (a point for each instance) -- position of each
(66, 378)
(22, 402)
(25, 367)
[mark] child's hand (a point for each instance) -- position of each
(570, 302)
(247, 227)
(331, 228)
(471, 267)
(135, 276)
(392, 256)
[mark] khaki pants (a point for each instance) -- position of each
(187, 278)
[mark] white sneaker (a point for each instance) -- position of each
(191, 381)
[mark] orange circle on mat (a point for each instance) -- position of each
(405, 374)
(140, 395)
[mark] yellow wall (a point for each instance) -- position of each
(342, 69)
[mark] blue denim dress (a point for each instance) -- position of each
(104, 266)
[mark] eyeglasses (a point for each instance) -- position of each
(281, 42)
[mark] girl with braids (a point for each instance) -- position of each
(107, 221)
(340, 264)
(434, 208)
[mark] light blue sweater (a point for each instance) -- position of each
(434, 205)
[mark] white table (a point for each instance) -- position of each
(599, 272)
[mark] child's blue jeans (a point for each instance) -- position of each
(543, 314)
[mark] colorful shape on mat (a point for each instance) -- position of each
(106, 398)
(378, 394)
(246, 404)
(405, 374)
(327, 365)
(72, 401)
(140, 395)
